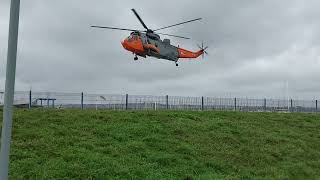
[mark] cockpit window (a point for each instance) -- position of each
(132, 37)
(135, 33)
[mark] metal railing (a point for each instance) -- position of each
(144, 102)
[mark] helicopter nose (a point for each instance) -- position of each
(124, 44)
(133, 46)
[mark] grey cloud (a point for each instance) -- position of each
(255, 46)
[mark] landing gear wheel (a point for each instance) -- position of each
(177, 64)
(135, 58)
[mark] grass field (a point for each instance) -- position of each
(74, 144)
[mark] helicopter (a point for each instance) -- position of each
(147, 42)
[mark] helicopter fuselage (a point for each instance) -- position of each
(150, 44)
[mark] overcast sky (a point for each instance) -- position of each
(255, 47)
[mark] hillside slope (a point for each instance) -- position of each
(74, 144)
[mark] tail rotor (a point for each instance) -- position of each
(203, 49)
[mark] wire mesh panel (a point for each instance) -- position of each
(20, 98)
(185, 103)
(146, 102)
(104, 101)
(223, 104)
(56, 99)
(251, 105)
(277, 105)
(303, 106)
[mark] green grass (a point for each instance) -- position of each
(74, 144)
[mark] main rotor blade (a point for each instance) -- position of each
(122, 29)
(178, 24)
(174, 36)
(143, 24)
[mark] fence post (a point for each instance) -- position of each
(265, 105)
(202, 103)
(127, 96)
(167, 102)
(30, 99)
(291, 105)
(316, 105)
(81, 100)
(235, 104)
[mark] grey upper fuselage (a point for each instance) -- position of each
(167, 51)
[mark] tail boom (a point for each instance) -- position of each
(183, 53)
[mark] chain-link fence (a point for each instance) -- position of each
(142, 102)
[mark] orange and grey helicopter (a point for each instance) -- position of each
(148, 43)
